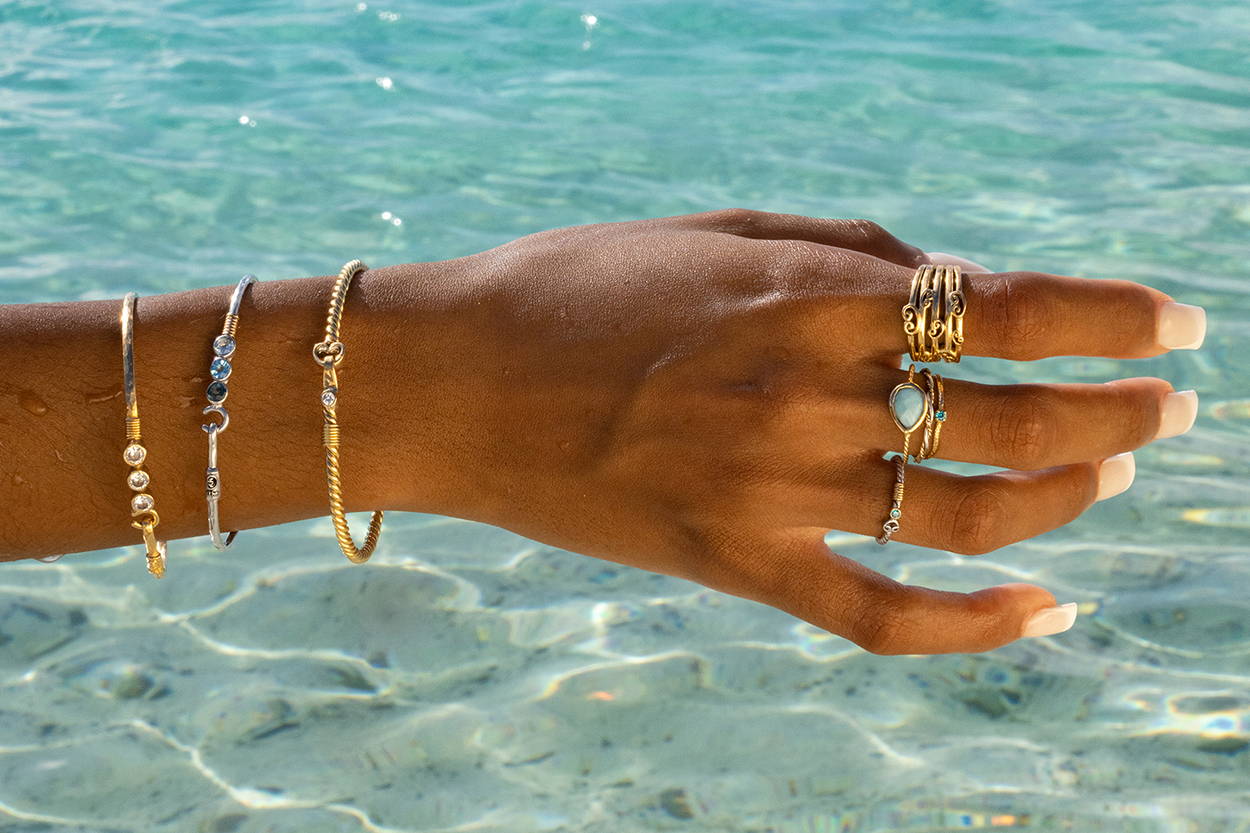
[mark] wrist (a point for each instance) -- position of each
(412, 398)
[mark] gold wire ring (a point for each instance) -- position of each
(954, 303)
(892, 524)
(936, 415)
(142, 504)
(914, 324)
(328, 353)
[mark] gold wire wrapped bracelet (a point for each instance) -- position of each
(329, 354)
(142, 505)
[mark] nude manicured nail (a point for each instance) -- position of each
(1179, 411)
(955, 260)
(1115, 475)
(1181, 326)
(1050, 620)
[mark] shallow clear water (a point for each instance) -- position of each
(493, 684)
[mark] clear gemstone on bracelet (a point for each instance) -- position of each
(138, 480)
(141, 503)
(329, 397)
(219, 369)
(223, 345)
(134, 454)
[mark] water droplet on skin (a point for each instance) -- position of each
(31, 402)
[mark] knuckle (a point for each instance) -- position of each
(979, 522)
(1022, 315)
(1025, 432)
(740, 221)
(880, 628)
(868, 230)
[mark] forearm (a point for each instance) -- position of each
(62, 413)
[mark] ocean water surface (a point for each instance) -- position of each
(468, 679)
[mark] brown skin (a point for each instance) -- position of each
(700, 396)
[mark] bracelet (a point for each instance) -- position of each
(217, 391)
(142, 505)
(328, 353)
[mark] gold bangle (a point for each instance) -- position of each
(142, 505)
(329, 354)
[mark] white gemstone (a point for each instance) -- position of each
(134, 454)
(908, 405)
(141, 503)
(138, 480)
(328, 397)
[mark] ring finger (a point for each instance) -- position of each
(968, 515)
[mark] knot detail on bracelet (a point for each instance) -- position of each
(328, 352)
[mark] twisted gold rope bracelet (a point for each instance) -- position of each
(329, 354)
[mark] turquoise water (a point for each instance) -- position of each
(490, 683)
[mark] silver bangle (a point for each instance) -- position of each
(219, 371)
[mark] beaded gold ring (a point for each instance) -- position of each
(219, 370)
(142, 505)
(328, 353)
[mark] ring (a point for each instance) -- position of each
(933, 317)
(910, 407)
(953, 304)
(935, 416)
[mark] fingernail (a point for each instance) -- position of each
(1050, 620)
(1115, 475)
(1179, 411)
(1181, 326)
(955, 260)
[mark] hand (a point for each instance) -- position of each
(706, 396)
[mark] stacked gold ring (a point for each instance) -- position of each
(933, 322)
(933, 317)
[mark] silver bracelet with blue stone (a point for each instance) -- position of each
(219, 372)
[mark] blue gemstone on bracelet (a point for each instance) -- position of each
(894, 513)
(940, 416)
(219, 369)
(223, 345)
(216, 392)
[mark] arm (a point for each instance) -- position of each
(61, 412)
(701, 396)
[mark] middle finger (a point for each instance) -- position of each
(1026, 426)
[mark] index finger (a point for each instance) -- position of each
(1012, 315)
(1032, 315)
